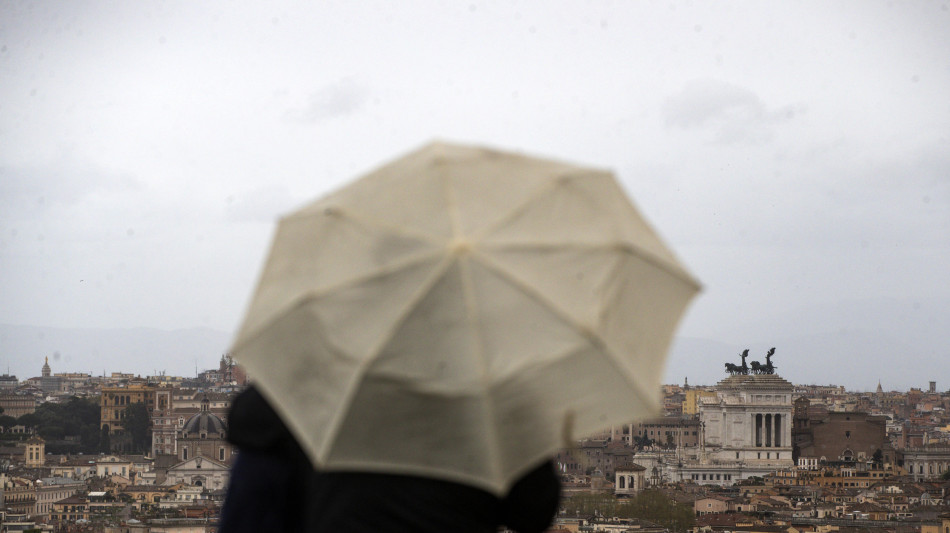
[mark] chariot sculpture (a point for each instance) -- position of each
(755, 367)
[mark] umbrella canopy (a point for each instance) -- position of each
(462, 313)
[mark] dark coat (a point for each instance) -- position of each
(274, 488)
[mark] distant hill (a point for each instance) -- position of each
(142, 351)
(901, 343)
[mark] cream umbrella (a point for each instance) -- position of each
(462, 313)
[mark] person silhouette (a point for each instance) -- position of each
(274, 487)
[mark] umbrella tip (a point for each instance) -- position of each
(460, 246)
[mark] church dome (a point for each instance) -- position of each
(205, 424)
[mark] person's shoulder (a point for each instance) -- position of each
(254, 424)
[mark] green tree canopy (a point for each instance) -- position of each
(650, 505)
(591, 504)
(74, 418)
(7, 421)
(878, 456)
(659, 508)
(105, 442)
(29, 420)
(138, 424)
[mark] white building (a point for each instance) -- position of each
(201, 472)
(53, 489)
(746, 431)
(928, 462)
(629, 479)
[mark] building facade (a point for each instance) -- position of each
(114, 402)
(17, 405)
(669, 431)
(839, 436)
(34, 453)
(204, 435)
(927, 462)
(745, 431)
(629, 479)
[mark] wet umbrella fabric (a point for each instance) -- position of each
(461, 313)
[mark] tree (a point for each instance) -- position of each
(74, 418)
(657, 507)
(7, 421)
(591, 504)
(105, 441)
(89, 438)
(29, 420)
(878, 457)
(51, 433)
(137, 424)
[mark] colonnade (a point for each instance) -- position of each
(767, 430)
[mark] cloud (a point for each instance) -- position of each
(341, 98)
(734, 114)
(264, 204)
(30, 190)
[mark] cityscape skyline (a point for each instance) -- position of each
(793, 155)
(203, 355)
(753, 448)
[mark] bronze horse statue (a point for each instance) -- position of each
(756, 367)
(737, 369)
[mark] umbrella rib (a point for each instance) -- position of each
(373, 354)
(319, 293)
(515, 211)
(472, 318)
(673, 269)
(471, 308)
(566, 175)
(374, 222)
(585, 330)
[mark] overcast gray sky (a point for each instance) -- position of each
(796, 155)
